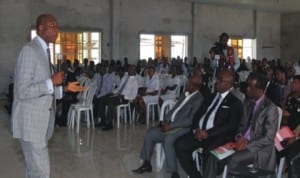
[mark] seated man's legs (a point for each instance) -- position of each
(100, 109)
(185, 146)
(111, 111)
(169, 147)
(240, 158)
(152, 136)
(213, 166)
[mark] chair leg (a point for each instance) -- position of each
(118, 117)
(129, 112)
(78, 121)
(147, 114)
(125, 114)
(87, 113)
(92, 117)
(225, 171)
(280, 167)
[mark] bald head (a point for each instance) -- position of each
(47, 28)
(194, 83)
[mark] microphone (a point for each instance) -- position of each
(59, 61)
(59, 89)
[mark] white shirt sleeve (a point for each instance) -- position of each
(50, 86)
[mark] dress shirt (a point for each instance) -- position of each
(48, 81)
(152, 84)
(107, 85)
(186, 99)
(130, 90)
(171, 82)
(256, 105)
(211, 119)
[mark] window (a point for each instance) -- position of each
(158, 46)
(246, 48)
(76, 45)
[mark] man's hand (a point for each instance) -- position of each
(201, 134)
(57, 78)
(241, 144)
(165, 126)
(74, 87)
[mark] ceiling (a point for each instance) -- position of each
(283, 6)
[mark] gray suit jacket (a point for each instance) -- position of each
(263, 130)
(32, 113)
(184, 117)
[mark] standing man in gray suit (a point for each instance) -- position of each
(34, 102)
(182, 115)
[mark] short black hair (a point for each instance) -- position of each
(41, 18)
(223, 35)
(261, 80)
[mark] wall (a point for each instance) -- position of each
(290, 36)
(121, 22)
(211, 21)
(153, 16)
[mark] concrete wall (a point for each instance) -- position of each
(121, 22)
(290, 36)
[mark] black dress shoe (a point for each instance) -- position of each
(107, 128)
(101, 124)
(142, 169)
(175, 175)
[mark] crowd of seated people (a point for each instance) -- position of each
(221, 117)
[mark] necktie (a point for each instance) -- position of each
(100, 85)
(213, 106)
(247, 132)
(124, 84)
(49, 59)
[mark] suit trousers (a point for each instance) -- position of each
(37, 159)
(241, 158)
(100, 108)
(155, 135)
(111, 110)
(184, 150)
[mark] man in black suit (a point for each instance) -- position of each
(215, 123)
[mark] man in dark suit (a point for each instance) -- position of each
(255, 138)
(215, 123)
(182, 115)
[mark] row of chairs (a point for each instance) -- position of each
(124, 111)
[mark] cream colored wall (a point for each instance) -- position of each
(121, 22)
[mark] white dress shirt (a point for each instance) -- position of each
(211, 119)
(130, 90)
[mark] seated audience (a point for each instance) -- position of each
(167, 133)
(255, 138)
(149, 93)
(214, 124)
(104, 89)
(169, 92)
(125, 92)
(291, 115)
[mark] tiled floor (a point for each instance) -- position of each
(90, 154)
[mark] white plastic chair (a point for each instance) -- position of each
(122, 110)
(85, 106)
(150, 110)
(160, 155)
(282, 160)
